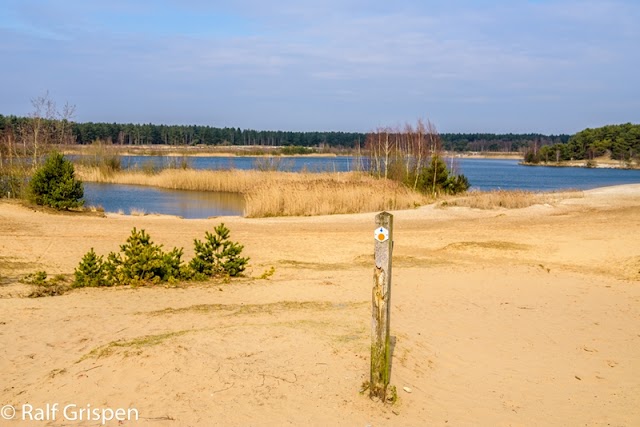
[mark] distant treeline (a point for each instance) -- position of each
(498, 142)
(620, 142)
(151, 134)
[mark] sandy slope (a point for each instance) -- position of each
(521, 317)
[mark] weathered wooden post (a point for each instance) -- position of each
(380, 314)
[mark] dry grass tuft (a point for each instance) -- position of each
(271, 193)
(137, 212)
(95, 209)
(248, 309)
(509, 199)
(135, 344)
(492, 244)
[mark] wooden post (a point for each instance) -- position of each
(380, 314)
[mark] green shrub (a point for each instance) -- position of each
(217, 255)
(91, 271)
(456, 184)
(436, 179)
(532, 157)
(54, 184)
(37, 278)
(142, 261)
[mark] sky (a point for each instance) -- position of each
(332, 65)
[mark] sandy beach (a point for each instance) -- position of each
(521, 317)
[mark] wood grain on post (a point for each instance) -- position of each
(380, 314)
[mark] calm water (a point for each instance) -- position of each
(488, 174)
(483, 174)
(289, 164)
(187, 204)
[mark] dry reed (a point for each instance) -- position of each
(508, 199)
(137, 212)
(271, 193)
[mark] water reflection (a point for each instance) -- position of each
(187, 204)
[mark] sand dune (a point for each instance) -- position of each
(502, 317)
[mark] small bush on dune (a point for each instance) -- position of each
(217, 255)
(54, 184)
(141, 262)
(90, 271)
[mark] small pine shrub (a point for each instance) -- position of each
(217, 255)
(91, 271)
(54, 184)
(456, 184)
(436, 179)
(142, 261)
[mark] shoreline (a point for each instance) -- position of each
(248, 151)
(189, 151)
(599, 164)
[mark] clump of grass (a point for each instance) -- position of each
(96, 208)
(492, 244)
(515, 199)
(268, 273)
(150, 168)
(45, 288)
(137, 212)
(37, 278)
(267, 308)
(136, 343)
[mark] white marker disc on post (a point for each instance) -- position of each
(381, 234)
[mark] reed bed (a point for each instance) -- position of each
(272, 193)
(232, 181)
(515, 199)
(350, 193)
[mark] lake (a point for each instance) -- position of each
(187, 204)
(483, 174)
(490, 174)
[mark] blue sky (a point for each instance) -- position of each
(352, 65)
